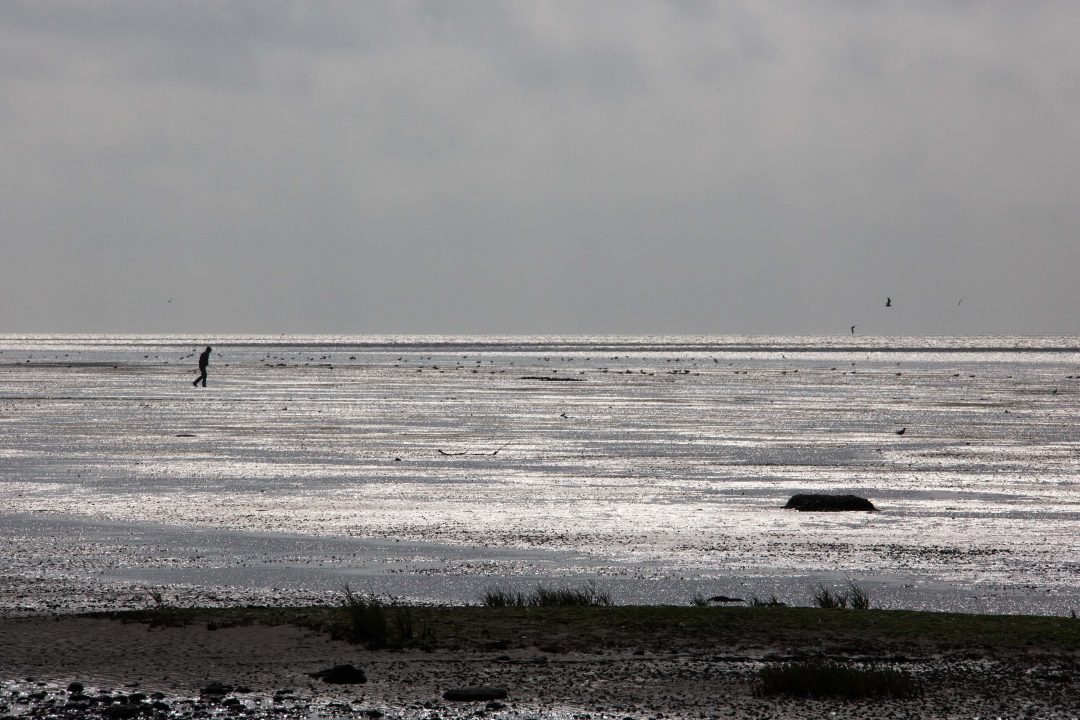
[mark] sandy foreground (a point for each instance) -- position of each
(548, 669)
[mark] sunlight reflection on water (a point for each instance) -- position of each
(668, 459)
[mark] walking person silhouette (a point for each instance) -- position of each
(204, 360)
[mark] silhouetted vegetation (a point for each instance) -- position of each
(586, 596)
(380, 623)
(855, 597)
(771, 602)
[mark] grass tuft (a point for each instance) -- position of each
(500, 597)
(858, 597)
(855, 597)
(381, 623)
(824, 678)
(828, 600)
(771, 602)
(588, 595)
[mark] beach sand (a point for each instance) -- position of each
(548, 668)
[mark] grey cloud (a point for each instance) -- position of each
(520, 167)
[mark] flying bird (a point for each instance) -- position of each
(888, 302)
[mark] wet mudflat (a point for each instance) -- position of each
(434, 468)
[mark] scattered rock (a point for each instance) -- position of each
(829, 503)
(340, 675)
(76, 687)
(121, 711)
(215, 691)
(476, 693)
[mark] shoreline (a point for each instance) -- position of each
(74, 564)
(617, 662)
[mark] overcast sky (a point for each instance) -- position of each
(540, 167)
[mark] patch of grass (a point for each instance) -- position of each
(771, 602)
(588, 595)
(858, 597)
(826, 599)
(824, 678)
(800, 630)
(854, 597)
(366, 618)
(378, 623)
(500, 597)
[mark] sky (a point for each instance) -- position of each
(743, 167)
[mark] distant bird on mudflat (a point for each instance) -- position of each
(888, 302)
(901, 431)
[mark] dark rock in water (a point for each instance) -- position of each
(829, 503)
(477, 693)
(341, 675)
(75, 687)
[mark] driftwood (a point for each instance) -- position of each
(466, 452)
(550, 378)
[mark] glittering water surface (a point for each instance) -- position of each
(436, 467)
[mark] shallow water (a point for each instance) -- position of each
(432, 468)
